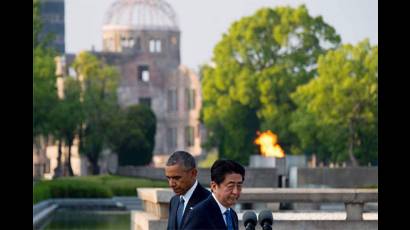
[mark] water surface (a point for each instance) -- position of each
(66, 219)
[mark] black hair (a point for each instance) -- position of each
(222, 167)
(182, 158)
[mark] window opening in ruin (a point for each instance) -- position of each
(127, 42)
(155, 46)
(158, 46)
(151, 46)
(143, 73)
(131, 42)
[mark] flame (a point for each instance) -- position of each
(268, 144)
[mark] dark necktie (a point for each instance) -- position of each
(180, 211)
(228, 218)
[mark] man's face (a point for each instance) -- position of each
(180, 179)
(229, 191)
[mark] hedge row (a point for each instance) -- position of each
(91, 187)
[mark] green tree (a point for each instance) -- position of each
(133, 138)
(72, 115)
(340, 105)
(66, 119)
(44, 90)
(99, 96)
(256, 65)
(58, 114)
(52, 117)
(44, 84)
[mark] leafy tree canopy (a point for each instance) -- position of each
(255, 67)
(339, 108)
(133, 138)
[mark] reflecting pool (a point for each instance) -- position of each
(69, 219)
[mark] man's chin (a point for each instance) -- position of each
(233, 202)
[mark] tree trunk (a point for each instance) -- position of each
(70, 169)
(353, 159)
(58, 170)
(95, 167)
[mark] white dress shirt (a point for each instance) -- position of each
(188, 194)
(223, 208)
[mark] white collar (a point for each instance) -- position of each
(189, 193)
(223, 208)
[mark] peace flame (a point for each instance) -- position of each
(268, 144)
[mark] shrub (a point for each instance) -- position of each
(75, 189)
(62, 188)
(41, 191)
(103, 186)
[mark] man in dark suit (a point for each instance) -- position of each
(181, 173)
(216, 211)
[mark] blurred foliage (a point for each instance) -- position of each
(209, 160)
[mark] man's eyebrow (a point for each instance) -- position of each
(234, 182)
(173, 176)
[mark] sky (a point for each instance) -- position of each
(203, 22)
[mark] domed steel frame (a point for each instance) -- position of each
(142, 14)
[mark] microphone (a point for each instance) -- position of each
(266, 219)
(249, 220)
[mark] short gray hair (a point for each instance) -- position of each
(182, 158)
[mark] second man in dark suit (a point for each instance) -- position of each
(216, 211)
(181, 173)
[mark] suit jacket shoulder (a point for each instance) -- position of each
(206, 215)
(200, 193)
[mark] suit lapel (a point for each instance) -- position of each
(174, 213)
(219, 218)
(186, 212)
(234, 219)
(195, 199)
(217, 215)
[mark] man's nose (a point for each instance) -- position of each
(236, 190)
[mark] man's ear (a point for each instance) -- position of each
(194, 172)
(213, 186)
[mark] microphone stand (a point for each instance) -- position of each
(266, 226)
